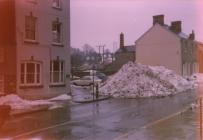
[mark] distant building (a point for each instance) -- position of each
(34, 47)
(200, 57)
(168, 46)
(123, 55)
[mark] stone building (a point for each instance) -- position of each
(168, 46)
(123, 55)
(35, 59)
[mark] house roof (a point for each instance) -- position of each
(181, 34)
(130, 48)
(166, 27)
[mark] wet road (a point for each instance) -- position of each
(184, 126)
(104, 120)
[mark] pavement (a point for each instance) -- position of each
(79, 95)
(85, 95)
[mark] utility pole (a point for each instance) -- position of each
(99, 50)
(102, 55)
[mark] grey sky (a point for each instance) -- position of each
(100, 21)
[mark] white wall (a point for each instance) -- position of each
(159, 47)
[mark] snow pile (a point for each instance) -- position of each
(18, 103)
(136, 80)
(63, 97)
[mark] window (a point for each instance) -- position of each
(1, 84)
(30, 27)
(30, 73)
(56, 3)
(57, 72)
(1, 55)
(56, 32)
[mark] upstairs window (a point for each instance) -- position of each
(56, 3)
(56, 32)
(30, 27)
(30, 73)
(57, 72)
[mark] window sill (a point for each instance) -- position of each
(31, 41)
(57, 85)
(32, 1)
(57, 44)
(30, 86)
(57, 8)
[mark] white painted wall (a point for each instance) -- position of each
(159, 47)
(44, 51)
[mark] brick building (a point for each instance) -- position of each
(34, 47)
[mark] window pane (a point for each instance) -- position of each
(38, 78)
(30, 27)
(30, 67)
(30, 78)
(56, 65)
(55, 77)
(61, 65)
(62, 77)
(56, 31)
(38, 68)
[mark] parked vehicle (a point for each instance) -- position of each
(86, 81)
(101, 76)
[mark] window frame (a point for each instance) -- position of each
(61, 72)
(59, 35)
(31, 40)
(57, 4)
(25, 74)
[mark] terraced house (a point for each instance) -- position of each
(166, 45)
(34, 47)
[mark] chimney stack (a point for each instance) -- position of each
(192, 35)
(158, 19)
(122, 41)
(176, 26)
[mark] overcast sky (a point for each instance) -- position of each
(99, 22)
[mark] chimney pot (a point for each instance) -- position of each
(192, 35)
(176, 26)
(121, 40)
(158, 19)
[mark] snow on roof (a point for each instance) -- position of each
(136, 80)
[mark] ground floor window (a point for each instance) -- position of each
(57, 72)
(1, 83)
(30, 73)
(190, 68)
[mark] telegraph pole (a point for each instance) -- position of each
(102, 55)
